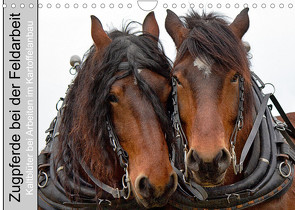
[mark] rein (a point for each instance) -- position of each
(269, 172)
(53, 195)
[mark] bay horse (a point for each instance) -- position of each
(221, 114)
(111, 135)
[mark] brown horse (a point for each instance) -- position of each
(114, 127)
(210, 67)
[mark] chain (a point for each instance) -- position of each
(238, 126)
(123, 159)
(126, 183)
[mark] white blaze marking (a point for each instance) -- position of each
(203, 67)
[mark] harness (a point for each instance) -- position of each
(269, 172)
(52, 195)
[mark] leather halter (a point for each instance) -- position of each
(269, 172)
(49, 186)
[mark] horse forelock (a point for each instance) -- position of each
(211, 40)
(214, 48)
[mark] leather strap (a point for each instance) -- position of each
(290, 128)
(196, 190)
(254, 130)
(115, 192)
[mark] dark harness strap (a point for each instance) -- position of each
(254, 131)
(290, 128)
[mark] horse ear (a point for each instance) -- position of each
(240, 24)
(175, 28)
(150, 25)
(99, 36)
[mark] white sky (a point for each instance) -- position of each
(64, 32)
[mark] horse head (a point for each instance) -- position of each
(123, 84)
(211, 69)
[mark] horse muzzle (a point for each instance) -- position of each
(150, 195)
(208, 172)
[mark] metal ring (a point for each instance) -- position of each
(282, 173)
(46, 179)
(59, 100)
(123, 181)
(126, 183)
(73, 72)
(128, 192)
(274, 89)
(100, 201)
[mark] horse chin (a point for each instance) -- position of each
(150, 203)
(208, 181)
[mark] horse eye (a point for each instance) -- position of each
(235, 78)
(113, 98)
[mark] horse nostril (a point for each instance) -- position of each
(193, 157)
(144, 187)
(222, 160)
